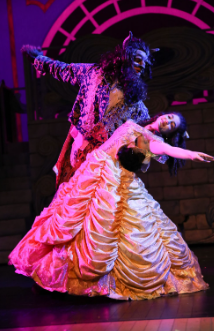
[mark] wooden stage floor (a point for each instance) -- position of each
(21, 309)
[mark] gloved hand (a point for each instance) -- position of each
(31, 52)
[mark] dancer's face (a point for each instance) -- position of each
(168, 123)
(139, 61)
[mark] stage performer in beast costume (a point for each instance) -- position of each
(110, 92)
(104, 234)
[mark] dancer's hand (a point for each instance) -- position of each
(201, 157)
(161, 148)
(31, 52)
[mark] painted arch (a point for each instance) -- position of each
(98, 16)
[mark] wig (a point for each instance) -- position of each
(130, 159)
(118, 66)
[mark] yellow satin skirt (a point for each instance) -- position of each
(104, 234)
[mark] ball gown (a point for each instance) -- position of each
(104, 234)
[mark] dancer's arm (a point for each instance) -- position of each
(72, 73)
(161, 148)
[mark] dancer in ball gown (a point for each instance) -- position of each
(104, 234)
(111, 91)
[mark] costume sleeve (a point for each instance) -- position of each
(129, 131)
(124, 135)
(134, 130)
(72, 73)
(149, 136)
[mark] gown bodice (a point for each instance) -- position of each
(126, 134)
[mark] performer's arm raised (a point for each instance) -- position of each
(72, 73)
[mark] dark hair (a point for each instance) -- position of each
(118, 66)
(130, 159)
(175, 139)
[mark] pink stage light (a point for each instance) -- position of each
(198, 100)
(177, 103)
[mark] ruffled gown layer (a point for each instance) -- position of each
(104, 234)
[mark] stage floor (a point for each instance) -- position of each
(20, 307)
